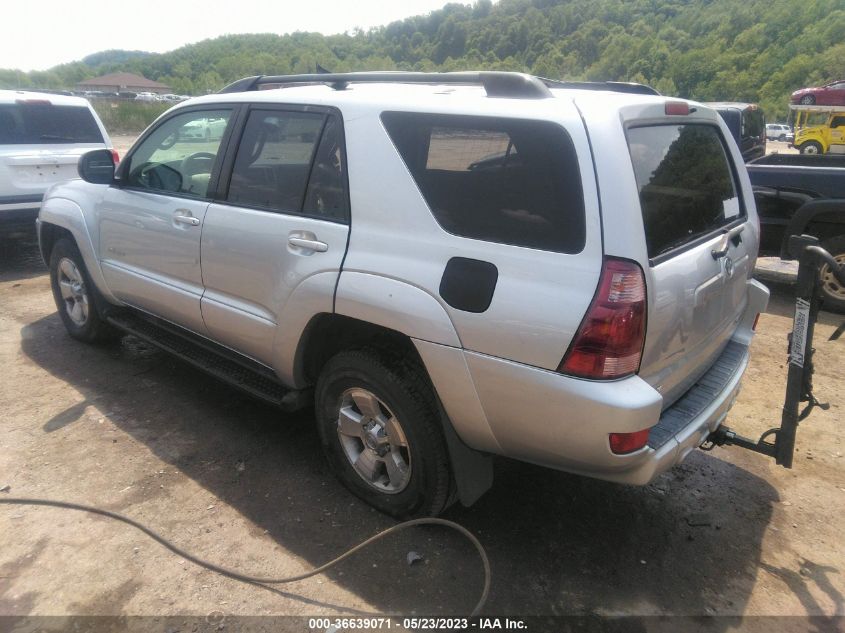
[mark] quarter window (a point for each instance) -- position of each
(510, 181)
(178, 157)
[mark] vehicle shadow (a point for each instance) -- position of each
(559, 544)
(20, 257)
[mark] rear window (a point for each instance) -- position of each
(685, 182)
(509, 181)
(37, 123)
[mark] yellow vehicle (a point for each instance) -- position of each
(819, 129)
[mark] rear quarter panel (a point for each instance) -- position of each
(540, 297)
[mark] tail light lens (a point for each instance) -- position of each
(676, 108)
(115, 156)
(621, 443)
(609, 343)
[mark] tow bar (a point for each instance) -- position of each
(780, 442)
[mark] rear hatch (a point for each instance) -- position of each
(40, 144)
(701, 246)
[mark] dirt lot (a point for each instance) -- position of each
(127, 428)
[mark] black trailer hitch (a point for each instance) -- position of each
(779, 442)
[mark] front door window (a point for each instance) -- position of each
(178, 157)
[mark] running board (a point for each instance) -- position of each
(218, 361)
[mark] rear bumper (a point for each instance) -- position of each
(546, 418)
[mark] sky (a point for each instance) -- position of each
(46, 33)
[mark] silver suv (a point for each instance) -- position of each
(42, 137)
(448, 266)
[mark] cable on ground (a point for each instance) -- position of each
(231, 573)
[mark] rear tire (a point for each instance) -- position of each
(76, 296)
(811, 147)
(381, 432)
(807, 100)
(832, 291)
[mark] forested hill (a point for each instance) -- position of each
(745, 50)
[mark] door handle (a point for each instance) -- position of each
(186, 219)
(734, 235)
(311, 245)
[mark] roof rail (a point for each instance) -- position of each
(496, 84)
(610, 86)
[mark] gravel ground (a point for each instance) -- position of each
(130, 429)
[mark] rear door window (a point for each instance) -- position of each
(686, 185)
(274, 160)
(510, 181)
(44, 123)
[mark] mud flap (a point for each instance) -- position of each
(472, 469)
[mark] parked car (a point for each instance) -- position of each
(203, 129)
(145, 96)
(42, 137)
(778, 132)
(827, 137)
(803, 194)
(584, 302)
(747, 125)
(829, 94)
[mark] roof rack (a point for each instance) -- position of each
(817, 108)
(496, 83)
(610, 86)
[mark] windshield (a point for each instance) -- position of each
(44, 123)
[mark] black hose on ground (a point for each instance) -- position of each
(224, 571)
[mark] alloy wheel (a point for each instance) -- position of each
(373, 441)
(74, 294)
(830, 285)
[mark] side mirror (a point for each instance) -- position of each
(97, 167)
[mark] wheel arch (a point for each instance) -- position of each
(821, 218)
(329, 333)
(60, 217)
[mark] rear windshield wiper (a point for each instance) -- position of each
(56, 137)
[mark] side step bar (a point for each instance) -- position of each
(218, 361)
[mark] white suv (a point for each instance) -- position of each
(449, 266)
(42, 137)
(778, 131)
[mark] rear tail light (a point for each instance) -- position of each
(621, 443)
(609, 342)
(115, 156)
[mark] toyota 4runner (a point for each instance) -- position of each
(449, 266)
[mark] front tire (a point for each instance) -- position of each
(832, 291)
(75, 295)
(811, 147)
(381, 432)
